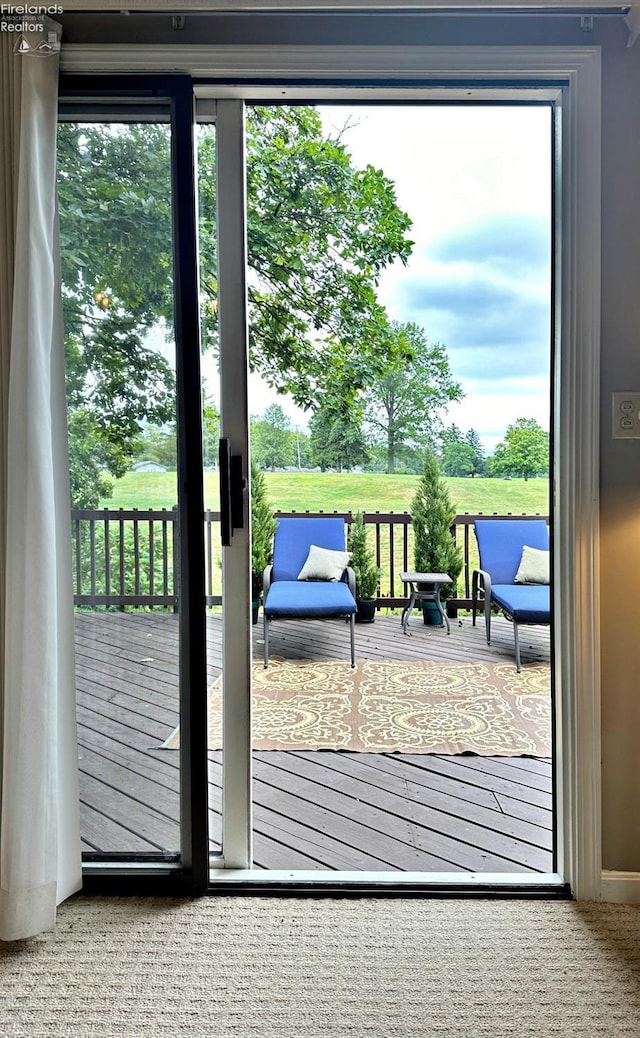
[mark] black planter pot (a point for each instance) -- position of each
(366, 612)
(255, 606)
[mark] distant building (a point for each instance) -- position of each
(149, 466)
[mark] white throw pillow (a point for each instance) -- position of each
(324, 564)
(534, 566)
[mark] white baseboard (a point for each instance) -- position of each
(620, 886)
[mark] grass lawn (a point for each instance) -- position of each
(343, 492)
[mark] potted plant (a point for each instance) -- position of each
(263, 527)
(366, 572)
(434, 549)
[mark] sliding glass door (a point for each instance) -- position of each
(115, 215)
(400, 327)
(178, 267)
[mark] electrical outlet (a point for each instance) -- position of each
(625, 416)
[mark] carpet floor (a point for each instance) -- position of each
(395, 706)
(241, 967)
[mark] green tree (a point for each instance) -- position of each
(88, 466)
(362, 562)
(272, 440)
(462, 454)
(479, 464)
(263, 528)
(376, 458)
(524, 451)
(320, 234)
(401, 406)
(210, 433)
(115, 223)
(450, 434)
(159, 445)
(432, 512)
(336, 440)
(458, 459)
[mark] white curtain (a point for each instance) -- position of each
(40, 857)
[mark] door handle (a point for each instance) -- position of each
(238, 487)
(232, 487)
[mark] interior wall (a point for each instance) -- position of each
(620, 461)
(620, 470)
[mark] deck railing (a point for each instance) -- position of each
(128, 557)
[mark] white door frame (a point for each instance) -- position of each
(237, 825)
(574, 73)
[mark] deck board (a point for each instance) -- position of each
(352, 822)
(313, 810)
(149, 824)
(483, 816)
(97, 828)
(406, 816)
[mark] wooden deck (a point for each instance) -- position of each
(313, 810)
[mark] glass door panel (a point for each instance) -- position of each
(115, 195)
(400, 307)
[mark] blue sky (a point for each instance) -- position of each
(476, 181)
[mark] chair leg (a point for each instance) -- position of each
(352, 624)
(265, 627)
(474, 597)
(487, 618)
(517, 643)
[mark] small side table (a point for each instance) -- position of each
(425, 587)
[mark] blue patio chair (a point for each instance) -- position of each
(501, 544)
(287, 597)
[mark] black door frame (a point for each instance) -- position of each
(189, 874)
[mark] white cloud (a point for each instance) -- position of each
(476, 181)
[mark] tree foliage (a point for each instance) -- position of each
(432, 513)
(402, 405)
(117, 285)
(263, 528)
(210, 433)
(524, 451)
(320, 234)
(462, 454)
(272, 439)
(158, 444)
(336, 438)
(458, 459)
(362, 561)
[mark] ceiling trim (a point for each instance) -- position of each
(563, 7)
(275, 63)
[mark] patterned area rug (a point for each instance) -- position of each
(396, 707)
